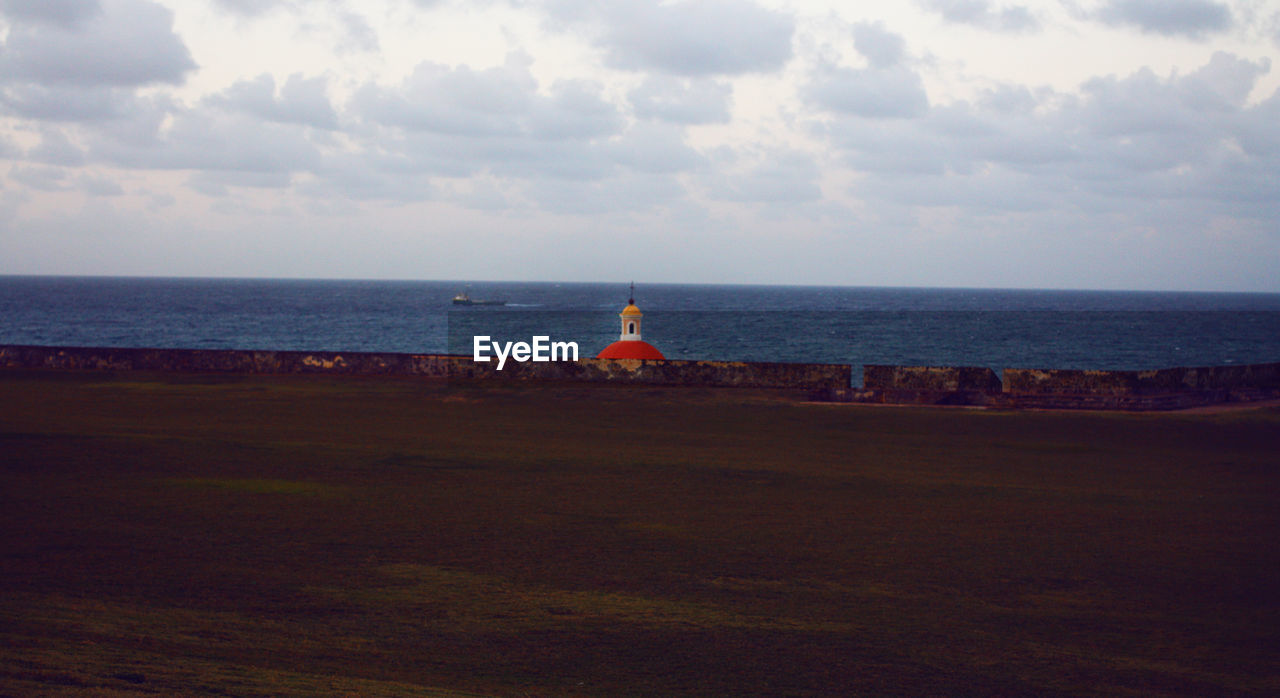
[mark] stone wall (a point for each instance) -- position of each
(826, 381)
(1168, 388)
(1166, 380)
(924, 385)
(736, 374)
(218, 360)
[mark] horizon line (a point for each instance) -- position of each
(648, 283)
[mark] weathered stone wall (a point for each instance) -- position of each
(922, 385)
(1264, 376)
(1036, 381)
(955, 385)
(829, 380)
(739, 374)
(218, 360)
(1026, 381)
(939, 378)
(1169, 388)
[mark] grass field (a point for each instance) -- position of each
(286, 535)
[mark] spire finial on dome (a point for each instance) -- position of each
(631, 299)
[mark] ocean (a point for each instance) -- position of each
(849, 325)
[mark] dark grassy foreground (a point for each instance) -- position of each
(289, 535)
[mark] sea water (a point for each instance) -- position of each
(850, 325)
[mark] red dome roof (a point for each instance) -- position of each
(635, 349)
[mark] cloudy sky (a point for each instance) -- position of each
(1118, 144)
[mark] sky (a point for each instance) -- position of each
(1088, 144)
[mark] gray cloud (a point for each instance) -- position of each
(653, 149)
(216, 182)
(98, 186)
(459, 121)
(353, 32)
(63, 13)
(300, 100)
(458, 101)
(888, 147)
(56, 149)
(131, 43)
(398, 153)
(40, 177)
(1121, 146)
(682, 100)
(981, 13)
(690, 37)
(881, 48)
(1191, 18)
(140, 127)
(367, 176)
(67, 103)
(533, 159)
(359, 35)
(250, 8)
(896, 92)
(483, 195)
(1258, 136)
(8, 149)
(785, 177)
(888, 89)
(212, 141)
(575, 109)
(610, 195)
(1190, 108)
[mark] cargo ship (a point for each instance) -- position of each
(464, 299)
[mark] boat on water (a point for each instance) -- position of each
(464, 299)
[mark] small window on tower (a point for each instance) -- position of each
(631, 328)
